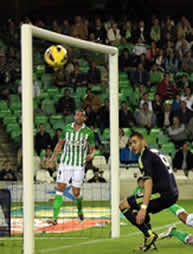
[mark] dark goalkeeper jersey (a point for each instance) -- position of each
(155, 165)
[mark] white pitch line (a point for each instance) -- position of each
(43, 238)
(100, 240)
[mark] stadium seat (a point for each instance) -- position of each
(43, 176)
(168, 148)
(12, 126)
(106, 175)
(68, 119)
(55, 117)
(47, 79)
(106, 134)
(14, 97)
(48, 106)
(40, 119)
(155, 132)
(9, 119)
(89, 175)
(36, 166)
(15, 105)
(162, 139)
(123, 76)
(127, 131)
(52, 91)
(99, 162)
(58, 124)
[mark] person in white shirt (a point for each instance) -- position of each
(188, 98)
(113, 34)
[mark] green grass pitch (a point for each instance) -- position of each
(96, 240)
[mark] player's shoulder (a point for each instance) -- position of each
(88, 130)
(68, 127)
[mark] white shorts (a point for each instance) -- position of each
(64, 175)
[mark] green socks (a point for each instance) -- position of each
(79, 205)
(179, 235)
(175, 209)
(57, 204)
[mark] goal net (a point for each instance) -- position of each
(101, 200)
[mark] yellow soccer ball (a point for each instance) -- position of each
(56, 56)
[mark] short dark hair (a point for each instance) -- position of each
(139, 179)
(137, 134)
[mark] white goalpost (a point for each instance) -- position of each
(27, 34)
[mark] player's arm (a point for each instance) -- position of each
(91, 152)
(91, 147)
(57, 149)
(147, 192)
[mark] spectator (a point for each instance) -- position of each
(7, 173)
(184, 114)
(140, 76)
(59, 77)
(125, 60)
(183, 159)
(91, 101)
(155, 33)
(146, 99)
(170, 28)
(44, 162)
(42, 139)
(126, 118)
(160, 60)
(176, 103)
(166, 89)
(66, 104)
(177, 131)
(99, 31)
(126, 31)
(145, 117)
(139, 48)
(123, 140)
(167, 115)
(155, 75)
(158, 110)
(97, 178)
(94, 74)
(187, 62)
(152, 53)
(182, 47)
(141, 33)
(188, 98)
(78, 29)
(113, 34)
(66, 27)
(127, 155)
(171, 62)
(104, 116)
(77, 77)
(56, 137)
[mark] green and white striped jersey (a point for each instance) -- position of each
(76, 145)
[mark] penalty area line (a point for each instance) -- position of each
(100, 240)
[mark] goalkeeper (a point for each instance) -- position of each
(179, 211)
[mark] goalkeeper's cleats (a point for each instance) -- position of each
(168, 233)
(149, 243)
(52, 222)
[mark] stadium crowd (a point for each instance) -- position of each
(155, 83)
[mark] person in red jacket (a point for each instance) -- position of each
(166, 88)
